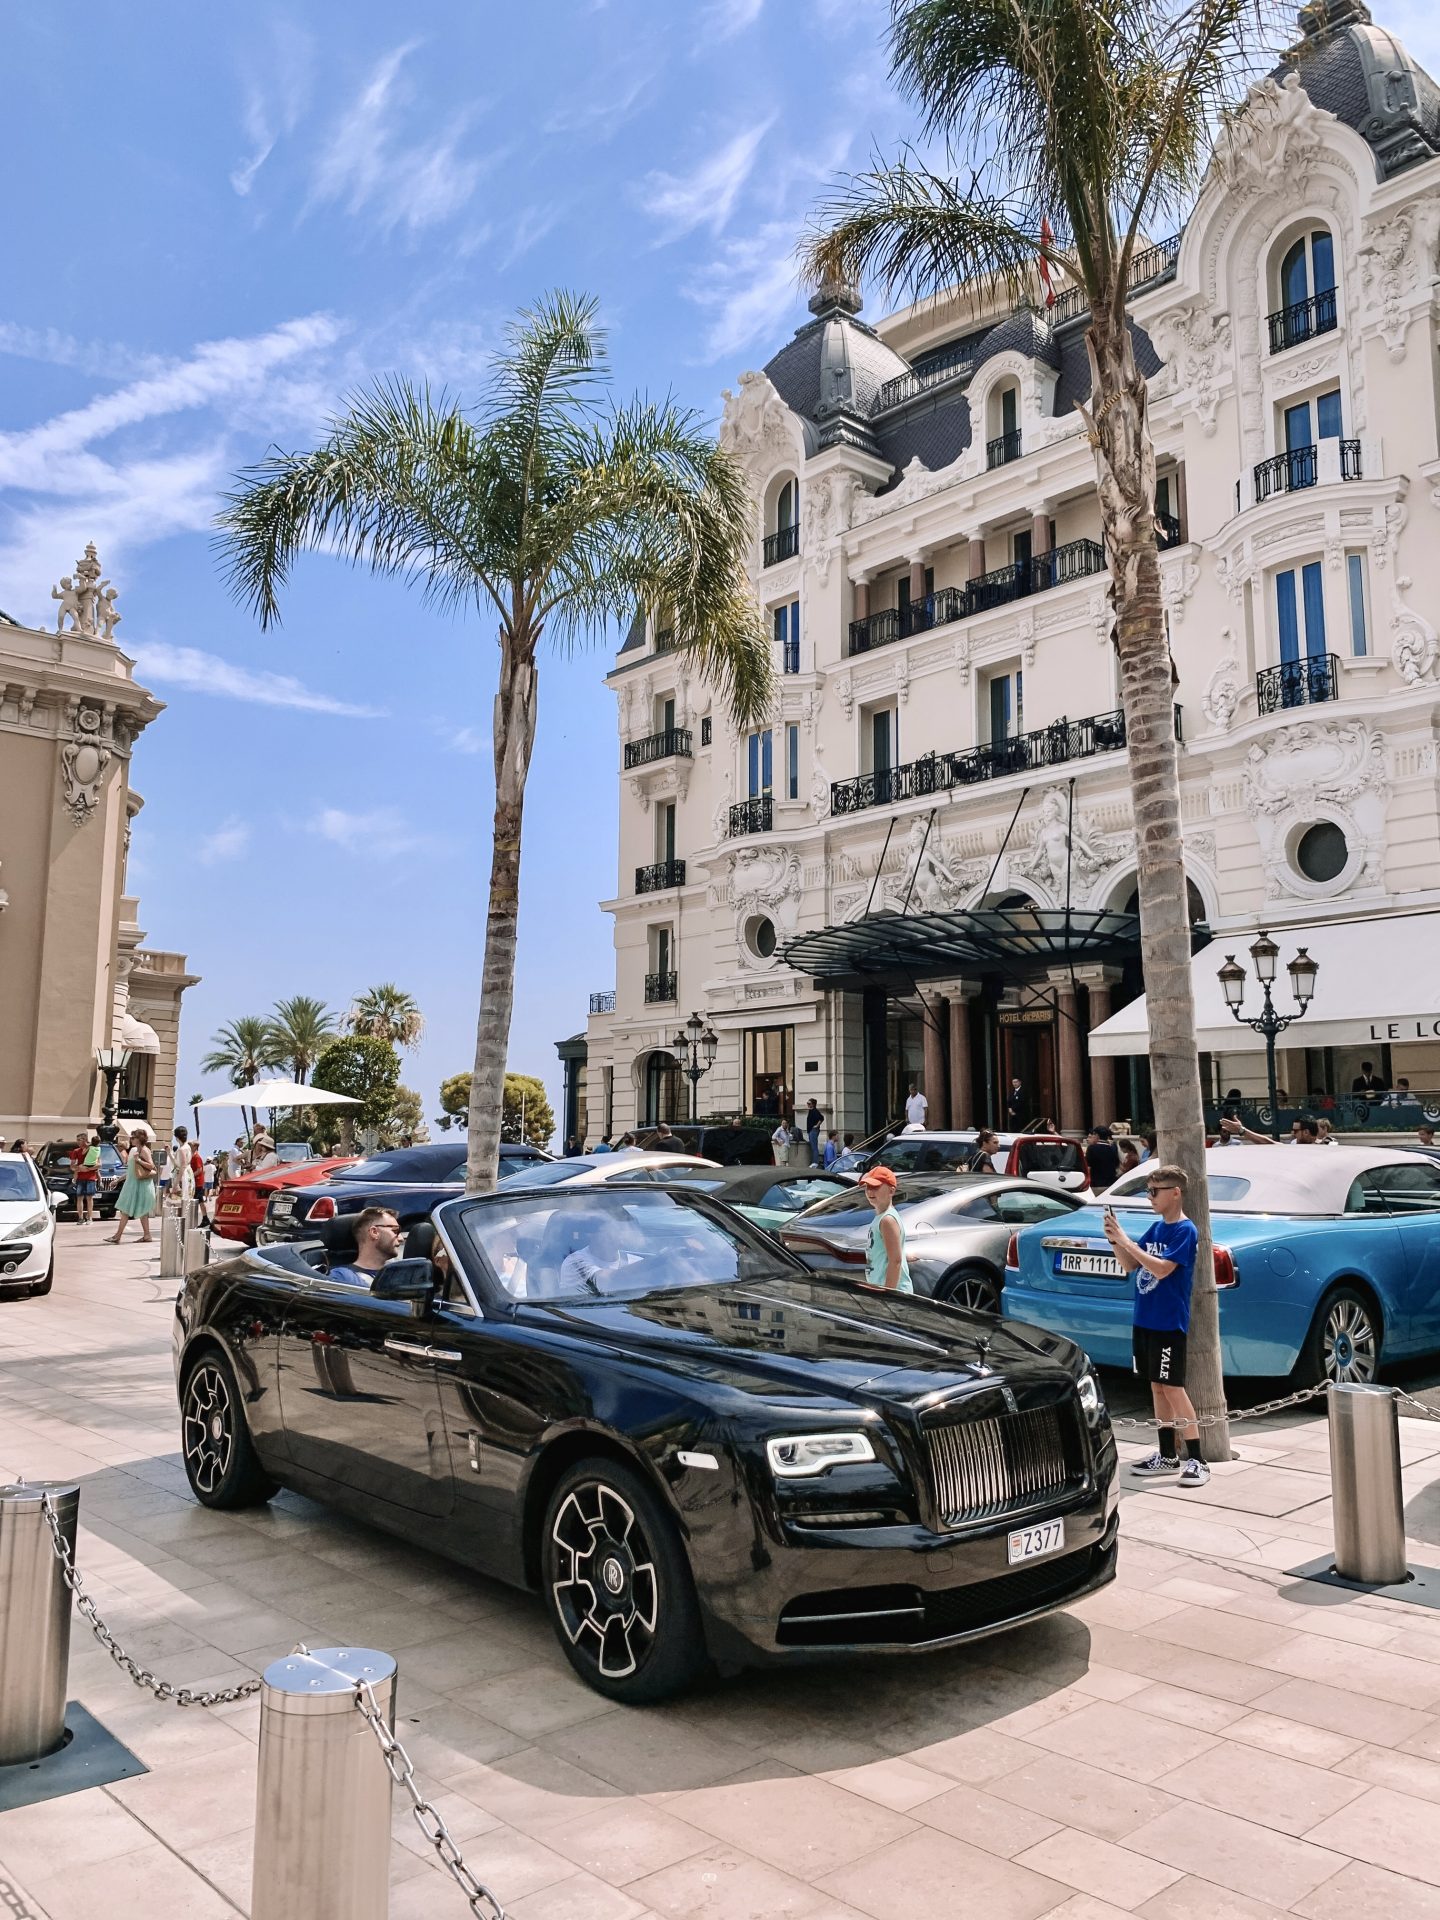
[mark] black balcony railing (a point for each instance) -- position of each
(1300, 467)
(660, 988)
(790, 656)
(1168, 531)
(1074, 561)
(603, 1002)
(672, 743)
(1303, 320)
(664, 639)
(783, 544)
(1350, 460)
(1298, 683)
(1004, 448)
(752, 816)
(1051, 746)
(934, 372)
(664, 873)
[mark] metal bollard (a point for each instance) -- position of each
(1365, 1485)
(322, 1798)
(197, 1248)
(34, 1620)
(172, 1246)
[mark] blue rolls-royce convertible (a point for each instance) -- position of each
(701, 1453)
(1327, 1260)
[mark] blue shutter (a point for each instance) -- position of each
(792, 763)
(753, 756)
(1285, 614)
(1355, 572)
(1322, 259)
(767, 764)
(1327, 409)
(1313, 591)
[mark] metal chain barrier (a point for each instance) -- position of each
(482, 1902)
(1430, 1413)
(1240, 1413)
(142, 1677)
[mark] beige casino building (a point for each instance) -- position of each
(923, 866)
(75, 974)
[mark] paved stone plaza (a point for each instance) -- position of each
(1209, 1739)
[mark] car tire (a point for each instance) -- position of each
(1345, 1340)
(632, 1632)
(44, 1286)
(972, 1287)
(221, 1464)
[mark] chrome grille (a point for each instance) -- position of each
(981, 1468)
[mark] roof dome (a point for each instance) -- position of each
(1021, 332)
(835, 366)
(1365, 77)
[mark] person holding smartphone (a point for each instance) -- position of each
(1163, 1263)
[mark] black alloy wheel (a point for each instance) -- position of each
(1344, 1342)
(220, 1459)
(618, 1586)
(971, 1287)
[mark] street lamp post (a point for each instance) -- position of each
(694, 1039)
(112, 1062)
(1302, 971)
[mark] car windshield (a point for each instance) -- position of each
(925, 1156)
(291, 1150)
(406, 1169)
(1225, 1189)
(544, 1173)
(19, 1181)
(609, 1241)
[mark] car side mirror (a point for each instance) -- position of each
(404, 1280)
(55, 1200)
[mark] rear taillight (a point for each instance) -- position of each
(1012, 1252)
(1225, 1274)
(322, 1209)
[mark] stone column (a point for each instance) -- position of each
(1100, 981)
(1072, 1092)
(962, 1100)
(917, 578)
(1040, 530)
(861, 606)
(977, 556)
(934, 1034)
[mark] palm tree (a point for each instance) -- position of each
(387, 1012)
(1090, 122)
(299, 1027)
(551, 511)
(240, 1049)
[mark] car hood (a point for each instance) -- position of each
(826, 1338)
(12, 1212)
(305, 1173)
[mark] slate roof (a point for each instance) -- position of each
(1364, 76)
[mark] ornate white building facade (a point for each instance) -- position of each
(923, 866)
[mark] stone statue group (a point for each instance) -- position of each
(86, 601)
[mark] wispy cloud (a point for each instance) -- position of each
(275, 101)
(747, 290)
(369, 166)
(723, 19)
(706, 196)
(465, 739)
(381, 833)
(227, 842)
(196, 672)
(102, 359)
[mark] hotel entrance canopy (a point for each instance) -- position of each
(894, 949)
(1378, 985)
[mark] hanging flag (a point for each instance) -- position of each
(1047, 240)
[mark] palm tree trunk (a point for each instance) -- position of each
(514, 727)
(1125, 458)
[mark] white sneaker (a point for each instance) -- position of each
(1155, 1466)
(1194, 1473)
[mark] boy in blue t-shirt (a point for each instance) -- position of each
(1163, 1263)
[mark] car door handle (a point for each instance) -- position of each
(451, 1354)
(413, 1348)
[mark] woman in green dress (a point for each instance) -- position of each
(137, 1196)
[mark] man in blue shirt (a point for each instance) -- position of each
(1163, 1263)
(377, 1240)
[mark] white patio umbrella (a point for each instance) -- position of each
(272, 1094)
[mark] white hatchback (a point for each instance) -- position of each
(27, 1227)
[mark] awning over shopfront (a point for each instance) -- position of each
(1379, 984)
(902, 947)
(135, 1035)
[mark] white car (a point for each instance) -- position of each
(595, 1169)
(27, 1227)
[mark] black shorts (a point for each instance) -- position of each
(1159, 1357)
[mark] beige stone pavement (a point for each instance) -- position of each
(1208, 1739)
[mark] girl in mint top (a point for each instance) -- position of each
(885, 1266)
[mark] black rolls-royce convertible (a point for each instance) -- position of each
(701, 1453)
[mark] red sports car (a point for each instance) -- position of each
(240, 1204)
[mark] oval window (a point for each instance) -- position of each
(760, 936)
(1322, 852)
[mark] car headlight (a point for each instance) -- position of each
(37, 1223)
(794, 1456)
(1092, 1400)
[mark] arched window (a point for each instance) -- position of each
(785, 506)
(1306, 291)
(662, 1088)
(1196, 904)
(1003, 410)
(782, 521)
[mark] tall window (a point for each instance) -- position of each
(883, 740)
(787, 635)
(1307, 291)
(792, 763)
(665, 832)
(785, 507)
(760, 767)
(1009, 410)
(909, 624)
(1006, 699)
(768, 1055)
(1300, 610)
(665, 714)
(662, 950)
(1355, 583)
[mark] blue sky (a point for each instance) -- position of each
(218, 223)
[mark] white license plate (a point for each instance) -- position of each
(283, 1206)
(1032, 1543)
(1090, 1263)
